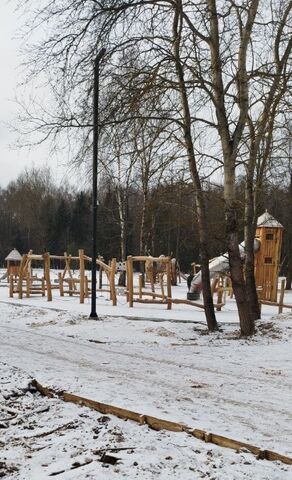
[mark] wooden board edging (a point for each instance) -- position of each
(160, 424)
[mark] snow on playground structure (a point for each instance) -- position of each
(161, 270)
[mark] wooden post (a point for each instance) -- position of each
(70, 285)
(67, 268)
(86, 289)
(214, 284)
(168, 277)
(28, 282)
(220, 291)
(131, 280)
(173, 272)
(109, 278)
(100, 275)
(21, 275)
(229, 287)
(162, 286)
(43, 287)
(8, 271)
(61, 284)
(46, 257)
(112, 281)
(11, 286)
(140, 285)
(152, 280)
(127, 280)
(282, 293)
(81, 266)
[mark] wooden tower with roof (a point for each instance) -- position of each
(267, 260)
(13, 263)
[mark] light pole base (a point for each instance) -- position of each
(93, 315)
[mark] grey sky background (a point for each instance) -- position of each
(12, 160)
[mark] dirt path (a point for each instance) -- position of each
(226, 387)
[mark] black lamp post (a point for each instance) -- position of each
(99, 56)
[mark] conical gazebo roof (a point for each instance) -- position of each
(14, 256)
(267, 220)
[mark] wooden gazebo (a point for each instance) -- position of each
(13, 263)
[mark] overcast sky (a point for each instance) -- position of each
(13, 161)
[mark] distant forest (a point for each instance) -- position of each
(36, 214)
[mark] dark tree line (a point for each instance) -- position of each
(36, 214)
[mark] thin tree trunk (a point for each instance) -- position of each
(200, 204)
(289, 268)
(232, 238)
(203, 237)
(122, 215)
(142, 243)
(238, 283)
(153, 235)
(249, 235)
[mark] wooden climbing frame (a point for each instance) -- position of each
(29, 283)
(160, 298)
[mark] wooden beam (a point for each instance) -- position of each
(112, 278)
(220, 291)
(11, 286)
(61, 284)
(131, 280)
(21, 275)
(187, 302)
(81, 270)
(161, 424)
(141, 286)
(144, 258)
(46, 258)
(149, 300)
(168, 279)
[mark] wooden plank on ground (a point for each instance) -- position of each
(161, 424)
(104, 408)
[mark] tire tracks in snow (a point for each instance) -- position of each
(148, 376)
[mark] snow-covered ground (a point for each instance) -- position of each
(149, 360)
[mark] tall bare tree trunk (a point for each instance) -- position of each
(249, 235)
(142, 240)
(230, 145)
(123, 222)
(289, 268)
(199, 197)
(236, 271)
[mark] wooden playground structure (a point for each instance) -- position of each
(155, 288)
(26, 283)
(154, 285)
(29, 283)
(156, 269)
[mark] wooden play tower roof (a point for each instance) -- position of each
(14, 256)
(267, 220)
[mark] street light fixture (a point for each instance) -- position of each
(99, 56)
